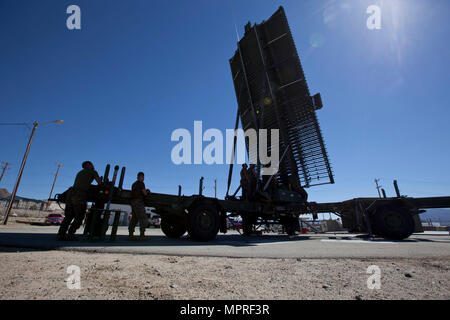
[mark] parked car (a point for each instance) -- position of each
(54, 218)
(234, 224)
(155, 221)
(238, 224)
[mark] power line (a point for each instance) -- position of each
(15, 124)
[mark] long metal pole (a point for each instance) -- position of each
(271, 177)
(230, 170)
(53, 186)
(378, 187)
(22, 166)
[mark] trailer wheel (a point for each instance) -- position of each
(172, 229)
(393, 222)
(204, 223)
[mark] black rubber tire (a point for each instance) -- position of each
(172, 229)
(392, 222)
(204, 223)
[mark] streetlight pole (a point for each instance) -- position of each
(22, 166)
(54, 180)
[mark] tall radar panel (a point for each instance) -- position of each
(272, 93)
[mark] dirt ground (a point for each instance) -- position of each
(42, 275)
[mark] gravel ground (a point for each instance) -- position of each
(42, 275)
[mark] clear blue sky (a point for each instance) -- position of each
(137, 70)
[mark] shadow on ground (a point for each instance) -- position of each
(47, 241)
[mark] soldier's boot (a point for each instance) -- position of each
(60, 237)
(61, 234)
(131, 237)
(62, 231)
(71, 237)
(142, 236)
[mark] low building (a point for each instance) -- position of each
(125, 213)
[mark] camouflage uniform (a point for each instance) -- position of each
(76, 203)
(137, 208)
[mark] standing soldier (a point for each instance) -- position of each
(76, 203)
(251, 173)
(245, 182)
(138, 193)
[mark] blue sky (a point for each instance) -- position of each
(137, 70)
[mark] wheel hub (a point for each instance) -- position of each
(393, 220)
(204, 221)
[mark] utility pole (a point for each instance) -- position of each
(22, 166)
(378, 187)
(4, 168)
(54, 180)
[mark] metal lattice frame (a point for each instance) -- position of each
(273, 94)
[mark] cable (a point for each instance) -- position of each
(15, 124)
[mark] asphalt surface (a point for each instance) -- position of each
(339, 245)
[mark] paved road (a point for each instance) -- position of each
(234, 245)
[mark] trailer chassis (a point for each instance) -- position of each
(203, 217)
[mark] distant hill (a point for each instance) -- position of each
(436, 215)
(4, 193)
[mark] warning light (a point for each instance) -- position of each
(267, 101)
